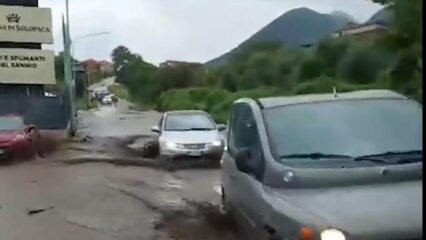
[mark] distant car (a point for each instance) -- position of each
(189, 134)
(48, 94)
(107, 100)
(18, 140)
(326, 167)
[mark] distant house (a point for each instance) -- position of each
(91, 65)
(363, 31)
(107, 68)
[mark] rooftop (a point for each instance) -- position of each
(309, 98)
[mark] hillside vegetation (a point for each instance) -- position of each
(265, 69)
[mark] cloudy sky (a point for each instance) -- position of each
(188, 30)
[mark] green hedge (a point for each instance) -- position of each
(217, 102)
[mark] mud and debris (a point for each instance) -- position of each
(95, 199)
(184, 219)
(138, 151)
(198, 221)
(31, 212)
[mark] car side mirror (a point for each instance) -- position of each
(221, 127)
(155, 129)
(242, 160)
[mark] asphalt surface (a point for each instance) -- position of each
(46, 199)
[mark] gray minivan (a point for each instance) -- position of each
(328, 166)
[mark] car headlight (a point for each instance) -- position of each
(332, 234)
(216, 143)
(170, 145)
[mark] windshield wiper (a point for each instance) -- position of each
(406, 157)
(316, 156)
(201, 129)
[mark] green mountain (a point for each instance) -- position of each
(298, 27)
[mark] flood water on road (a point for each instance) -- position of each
(105, 201)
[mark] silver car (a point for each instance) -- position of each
(326, 167)
(189, 134)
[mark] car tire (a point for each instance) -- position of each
(151, 150)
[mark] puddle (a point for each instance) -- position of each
(169, 200)
(173, 184)
(131, 146)
(218, 189)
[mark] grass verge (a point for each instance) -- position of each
(120, 91)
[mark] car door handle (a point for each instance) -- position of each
(233, 177)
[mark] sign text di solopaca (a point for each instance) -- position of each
(25, 24)
(26, 66)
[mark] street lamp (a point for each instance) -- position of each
(83, 37)
(75, 40)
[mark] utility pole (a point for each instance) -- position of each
(68, 71)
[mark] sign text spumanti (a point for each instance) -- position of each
(25, 24)
(27, 66)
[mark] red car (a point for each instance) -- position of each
(18, 140)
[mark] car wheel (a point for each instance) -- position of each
(151, 150)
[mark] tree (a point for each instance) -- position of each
(406, 40)
(121, 56)
(362, 65)
(407, 22)
(229, 81)
(249, 80)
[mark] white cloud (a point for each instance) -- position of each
(190, 30)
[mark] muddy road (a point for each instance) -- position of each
(52, 199)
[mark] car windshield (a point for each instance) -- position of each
(10, 123)
(186, 122)
(351, 128)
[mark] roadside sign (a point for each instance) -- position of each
(27, 66)
(25, 24)
(29, 3)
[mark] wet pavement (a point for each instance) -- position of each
(105, 201)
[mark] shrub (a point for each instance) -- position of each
(363, 65)
(198, 94)
(215, 97)
(321, 84)
(310, 69)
